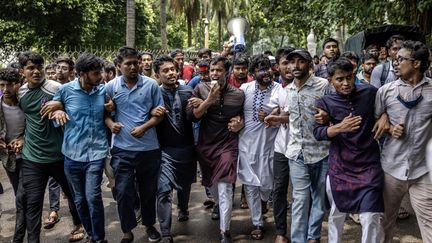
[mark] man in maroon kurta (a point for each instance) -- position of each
(218, 139)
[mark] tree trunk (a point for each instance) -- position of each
(130, 23)
(219, 17)
(189, 29)
(164, 40)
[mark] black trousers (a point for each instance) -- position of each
(15, 179)
(280, 192)
(140, 167)
(35, 178)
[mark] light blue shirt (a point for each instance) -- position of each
(133, 107)
(84, 134)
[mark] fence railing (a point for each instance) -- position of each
(10, 54)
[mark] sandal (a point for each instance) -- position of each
(51, 221)
(257, 233)
(403, 213)
(77, 234)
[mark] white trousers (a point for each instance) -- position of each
(222, 193)
(254, 195)
(372, 231)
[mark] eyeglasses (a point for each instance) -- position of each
(400, 59)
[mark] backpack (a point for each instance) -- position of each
(385, 72)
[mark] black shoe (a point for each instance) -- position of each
(128, 240)
(153, 234)
(225, 237)
(183, 215)
(209, 203)
(215, 213)
(167, 239)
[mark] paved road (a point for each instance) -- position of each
(200, 228)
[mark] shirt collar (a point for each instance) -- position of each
(424, 81)
(309, 82)
(139, 83)
(77, 86)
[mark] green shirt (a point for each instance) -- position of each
(42, 141)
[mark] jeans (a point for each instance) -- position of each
(54, 194)
(280, 192)
(85, 180)
(145, 167)
(308, 208)
(35, 178)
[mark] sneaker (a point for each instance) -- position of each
(167, 239)
(153, 234)
(183, 215)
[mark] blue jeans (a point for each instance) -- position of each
(85, 180)
(308, 209)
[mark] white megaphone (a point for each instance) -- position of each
(237, 27)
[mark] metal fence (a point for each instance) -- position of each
(9, 54)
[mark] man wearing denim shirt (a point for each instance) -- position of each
(85, 145)
(135, 154)
(307, 157)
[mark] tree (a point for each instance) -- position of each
(130, 23)
(191, 9)
(163, 24)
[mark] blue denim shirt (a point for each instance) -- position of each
(133, 107)
(84, 134)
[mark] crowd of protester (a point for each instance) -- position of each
(348, 132)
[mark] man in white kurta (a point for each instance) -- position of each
(256, 141)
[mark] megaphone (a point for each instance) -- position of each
(237, 27)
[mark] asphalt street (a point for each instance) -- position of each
(199, 228)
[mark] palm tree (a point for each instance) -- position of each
(130, 23)
(191, 10)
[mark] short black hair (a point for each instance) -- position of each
(124, 52)
(283, 52)
(51, 66)
(160, 60)
(10, 75)
(67, 60)
(369, 56)
(330, 40)
(27, 56)
(259, 61)
(145, 53)
(351, 56)
(419, 51)
(203, 51)
(87, 62)
(268, 53)
(341, 63)
(109, 67)
(226, 62)
(393, 39)
(240, 59)
(174, 52)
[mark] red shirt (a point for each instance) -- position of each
(237, 83)
(188, 70)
